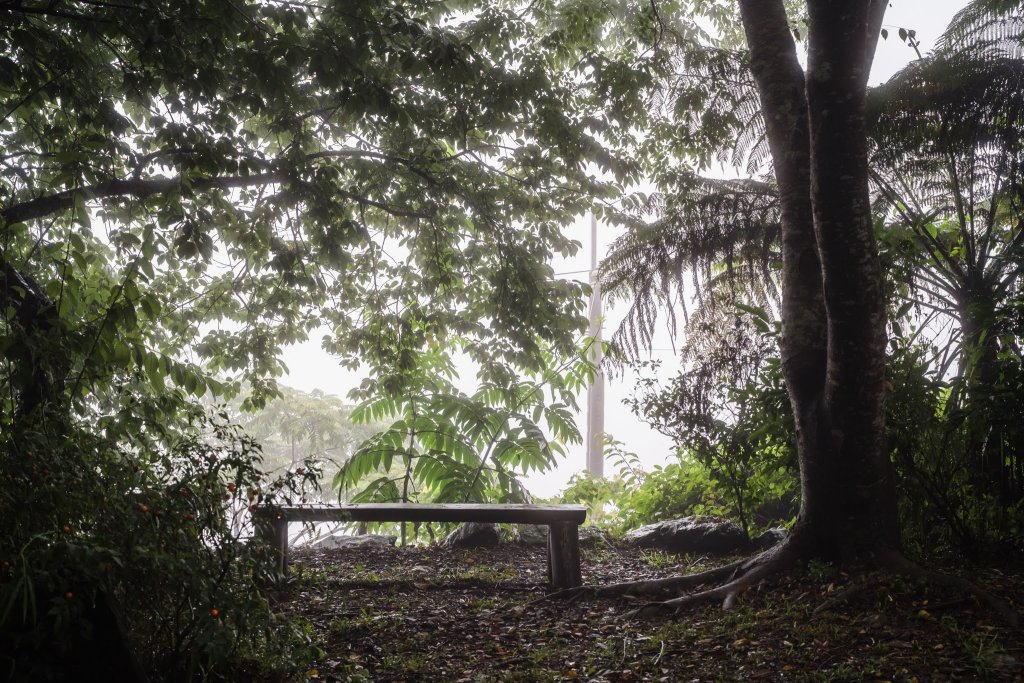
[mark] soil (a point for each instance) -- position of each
(437, 614)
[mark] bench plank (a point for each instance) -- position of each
(435, 512)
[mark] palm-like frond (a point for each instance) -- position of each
(708, 107)
(718, 303)
(707, 229)
(986, 27)
(948, 147)
(947, 104)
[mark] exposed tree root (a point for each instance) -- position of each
(897, 563)
(844, 595)
(632, 589)
(750, 572)
(738, 576)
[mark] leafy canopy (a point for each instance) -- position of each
(231, 177)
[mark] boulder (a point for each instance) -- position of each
(537, 534)
(712, 535)
(592, 535)
(345, 541)
(531, 534)
(474, 535)
(770, 538)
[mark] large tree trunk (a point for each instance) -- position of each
(833, 313)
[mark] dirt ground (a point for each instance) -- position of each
(436, 614)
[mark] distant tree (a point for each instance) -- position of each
(298, 426)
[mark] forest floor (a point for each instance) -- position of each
(435, 614)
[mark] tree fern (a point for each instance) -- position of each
(986, 27)
(705, 231)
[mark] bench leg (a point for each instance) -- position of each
(564, 555)
(281, 545)
(274, 532)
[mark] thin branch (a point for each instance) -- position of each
(143, 189)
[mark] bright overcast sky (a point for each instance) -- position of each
(312, 368)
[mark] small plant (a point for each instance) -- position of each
(442, 445)
(983, 648)
(729, 416)
(659, 559)
(602, 496)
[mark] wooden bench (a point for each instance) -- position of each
(562, 520)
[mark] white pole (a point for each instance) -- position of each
(595, 395)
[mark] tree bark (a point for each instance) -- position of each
(841, 34)
(833, 312)
(39, 349)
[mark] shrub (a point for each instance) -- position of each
(157, 537)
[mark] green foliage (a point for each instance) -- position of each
(162, 534)
(688, 487)
(947, 507)
(685, 487)
(948, 153)
(332, 165)
(730, 413)
(602, 496)
(188, 186)
(445, 446)
(668, 492)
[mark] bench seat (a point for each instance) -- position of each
(562, 520)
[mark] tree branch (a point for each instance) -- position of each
(143, 188)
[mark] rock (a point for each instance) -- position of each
(537, 534)
(775, 510)
(532, 534)
(690, 535)
(592, 535)
(770, 538)
(345, 541)
(474, 535)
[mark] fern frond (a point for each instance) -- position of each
(993, 28)
(709, 223)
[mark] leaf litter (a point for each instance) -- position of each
(439, 614)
